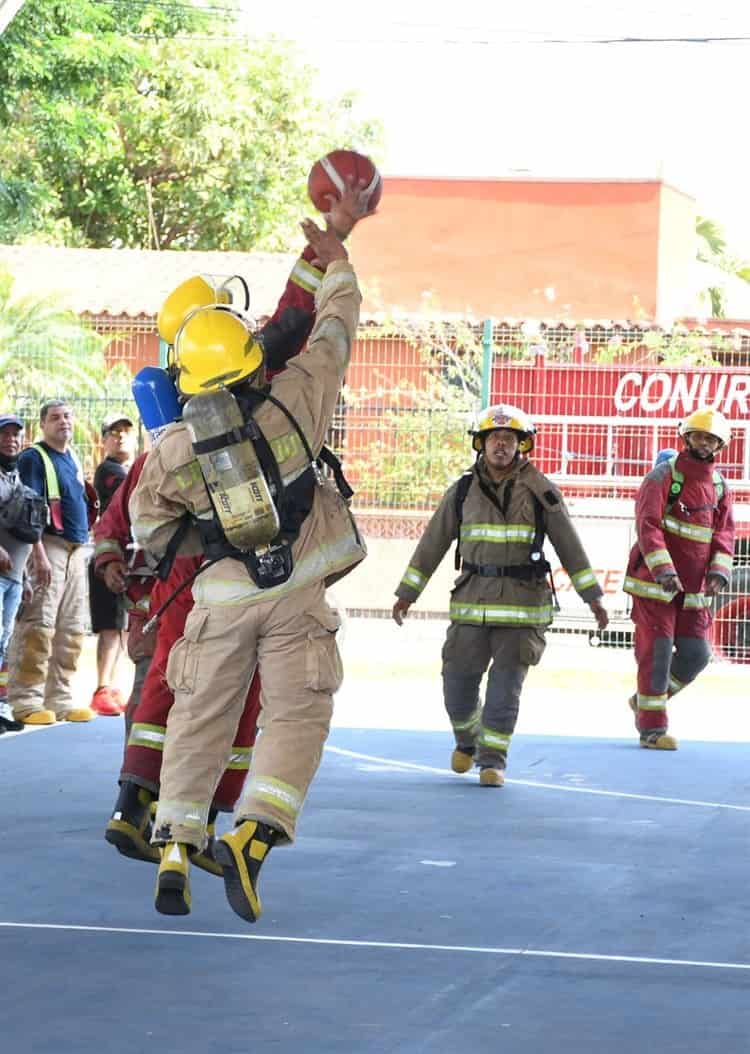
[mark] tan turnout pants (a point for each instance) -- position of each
(293, 641)
(48, 637)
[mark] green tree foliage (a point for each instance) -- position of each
(47, 353)
(413, 433)
(141, 125)
(712, 249)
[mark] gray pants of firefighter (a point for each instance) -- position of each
(48, 637)
(293, 641)
(467, 652)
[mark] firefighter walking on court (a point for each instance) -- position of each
(501, 604)
(682, 558)
(243, 467)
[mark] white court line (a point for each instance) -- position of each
(543, 786)
(35, 728)
(469, 949)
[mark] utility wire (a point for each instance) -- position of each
(370, 41)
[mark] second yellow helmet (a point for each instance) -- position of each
(215, 348)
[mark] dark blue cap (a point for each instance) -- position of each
(10, 419)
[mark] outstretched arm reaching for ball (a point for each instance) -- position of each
(325, 244)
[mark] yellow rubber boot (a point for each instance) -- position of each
(658, 741)
(462, 759)
(39, 717)
(173, 880)
(81, 713)
(491, 778)
(129, 827)
(241, 853)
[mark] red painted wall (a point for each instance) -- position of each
(532, 248)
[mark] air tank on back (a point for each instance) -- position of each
(239, 490)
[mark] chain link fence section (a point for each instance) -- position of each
(605, 397)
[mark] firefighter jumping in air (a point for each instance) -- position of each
(498, 513)
(282, 337)
(681, 559)
(242, 469)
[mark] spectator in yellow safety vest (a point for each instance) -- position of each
(48, 637)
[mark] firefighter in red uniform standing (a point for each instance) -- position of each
(681, 559)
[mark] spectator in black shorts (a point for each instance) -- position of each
(108, 613)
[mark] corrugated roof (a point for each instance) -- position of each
(136, 281)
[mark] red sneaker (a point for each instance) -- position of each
(103, 702)
(120, 699)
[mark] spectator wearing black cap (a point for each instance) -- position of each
(14, 553)
(108, 613)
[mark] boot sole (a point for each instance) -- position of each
(237, 883)
(125, 838)
(172, 896)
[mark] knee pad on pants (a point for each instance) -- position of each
(692, 655)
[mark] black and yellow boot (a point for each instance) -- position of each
(241, 853)
(658, 739)
(129, 828)
(173, 880)
(205, 858)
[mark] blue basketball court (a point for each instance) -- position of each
(596, 903)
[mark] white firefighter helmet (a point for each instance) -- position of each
(706, 420)
(215, 348)
(505, 416)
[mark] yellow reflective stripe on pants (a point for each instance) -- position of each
(151, 736)
(276, 793)
(239, 759)
(467, 726)
(494, 740)
(652, 702)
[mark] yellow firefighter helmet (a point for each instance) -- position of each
(187, 297)
(706, 420)
(215, 348)
(504, 416)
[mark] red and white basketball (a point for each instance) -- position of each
(330, 175)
